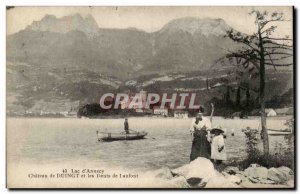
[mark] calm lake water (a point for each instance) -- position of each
(52, 140)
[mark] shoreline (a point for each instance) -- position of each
(150, 117)
(81, 143)
(39, 176)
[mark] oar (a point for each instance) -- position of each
(133, 130)
(138, 132)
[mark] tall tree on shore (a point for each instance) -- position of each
(238, 97)
(227, 99)
(247, 98)
(260, 50)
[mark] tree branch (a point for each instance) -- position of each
(278, 59)
(263, 24)
(266, 37)
(271, 60)
(279, 53)
(240, 38)
(278, 65)
(275, 43)
(278, 47)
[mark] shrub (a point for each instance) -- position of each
(285, 157)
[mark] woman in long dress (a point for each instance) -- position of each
(201, 136)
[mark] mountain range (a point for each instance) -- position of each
(183, 44)
(71, 58)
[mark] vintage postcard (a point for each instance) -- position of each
(150, 97)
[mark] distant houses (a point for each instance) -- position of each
(139, 110)
(274, 112)
(270, 112)
(59, 107)
(157, 110)
(181, 114)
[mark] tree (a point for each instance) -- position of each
(247, 99)
(227, 99)
(260, 50)
(238, 97)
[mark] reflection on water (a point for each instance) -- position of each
(168, 144)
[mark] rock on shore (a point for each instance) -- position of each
(201, 173)
(199, 170)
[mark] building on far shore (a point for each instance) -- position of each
(274, 112)
(181, 114)
(55, 107)
(139, 110)
(270, 112)
(160, 111)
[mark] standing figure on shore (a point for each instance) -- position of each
(201, 137)
(218, 149)
(126, 126)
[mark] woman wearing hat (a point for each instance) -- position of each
(199, 130)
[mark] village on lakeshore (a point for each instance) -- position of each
(72, 110)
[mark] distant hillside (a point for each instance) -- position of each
(185, 44)
(70, 60)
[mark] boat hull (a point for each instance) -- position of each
(274, 132)
(122, 137)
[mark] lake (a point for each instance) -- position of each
(60, 140)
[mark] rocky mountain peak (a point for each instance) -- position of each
(205, 26)
(66, 24)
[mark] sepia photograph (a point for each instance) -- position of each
(150, 97)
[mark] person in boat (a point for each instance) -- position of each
(126, 126)
(218, 149)
(201, 136)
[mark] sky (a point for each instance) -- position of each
(149, 19)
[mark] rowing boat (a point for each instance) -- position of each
(108, 137)
(279, 132)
